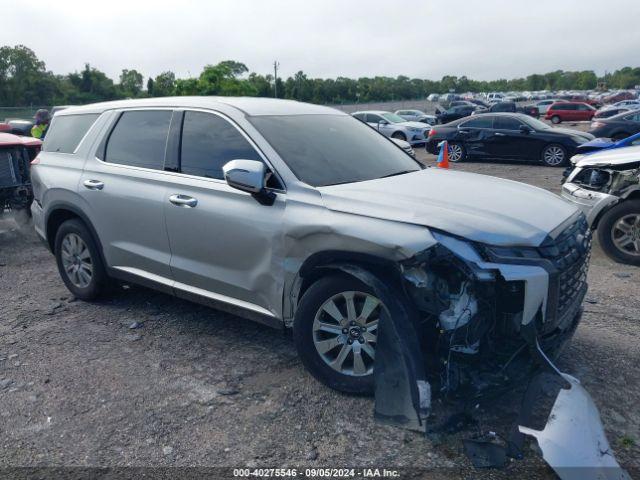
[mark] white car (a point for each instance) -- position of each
(630, 104)
(394, 126)
(417, 116)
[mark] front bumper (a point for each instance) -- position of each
(590, 202)
(417, 138)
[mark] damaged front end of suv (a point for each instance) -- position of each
(484, 318)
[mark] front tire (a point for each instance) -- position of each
(79, 261)
(335, 330)
(619, 232)
(554, 155)
(399, 136)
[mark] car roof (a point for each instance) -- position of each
(617, 116)
(9, 139)
(377, 112)
(251, 106)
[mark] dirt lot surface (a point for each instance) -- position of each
(144, 379)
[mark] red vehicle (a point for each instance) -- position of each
(570, 112)
(16, 193)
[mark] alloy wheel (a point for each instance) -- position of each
(626, 234)
(76, 260)
(345, 329)
(455, 152)
(553, 156)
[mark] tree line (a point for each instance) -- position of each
(25, 80)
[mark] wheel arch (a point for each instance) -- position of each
(328, 262)
(60, 212)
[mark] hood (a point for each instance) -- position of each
(609, 157)
(574, 133)
(597, 144)
(477, 207)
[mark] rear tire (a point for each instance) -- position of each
(79, 261)
(457, 152)
(556, 119)
(323, 315)
(619, 232)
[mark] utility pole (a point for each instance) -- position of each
(275, 78)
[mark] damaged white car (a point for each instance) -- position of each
(606, 187)
(302, 217)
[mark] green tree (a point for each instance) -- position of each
(131, 82)
(164, 84)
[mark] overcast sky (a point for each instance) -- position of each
(329, 38)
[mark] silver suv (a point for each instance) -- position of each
(302, 217)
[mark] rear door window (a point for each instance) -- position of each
(480, 122)
(66, 132)
(139, 139)
(209, 142)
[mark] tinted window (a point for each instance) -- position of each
(633, 117)
(208, 142)
(480, 122)
(506, 123)
(565, 106)
(139, 139)
(330, 149)
(359, 116)
(66, 132)
(372, 118)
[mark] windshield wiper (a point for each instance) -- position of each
(402, 172)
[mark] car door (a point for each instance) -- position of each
(380, 124)
(124, 189)
(584, 112)
(225, 245)
(508, 140)
(474, 134)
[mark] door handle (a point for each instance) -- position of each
(93, 184)
(184, 201)
(464, 132)
(498, 134)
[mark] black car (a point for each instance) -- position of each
(454, 113)
(511, 107)
(506, 135)
(617, 127)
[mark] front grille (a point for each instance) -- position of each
(569, 253)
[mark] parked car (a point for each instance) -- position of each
(619, 96)
(630, 104)
(511, 107)
(417, 116)
(570, 112)
(543, 105)
(394, 126)
(5, 127)
(16, 193)
(617, 127)
(433, 97)
(21, 127)
(606, 187)
(495, 96)
(610, 112)
(506, 135)
(602, 143)
(301, 217)
(454, 113)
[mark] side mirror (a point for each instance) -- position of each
(245, 175)
(382, 122)
(525, 129)
(249, 176)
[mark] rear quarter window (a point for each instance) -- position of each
(67, 131)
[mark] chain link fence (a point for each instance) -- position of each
(22, 113)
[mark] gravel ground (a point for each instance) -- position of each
(144, 379)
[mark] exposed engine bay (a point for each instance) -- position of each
(15, 184)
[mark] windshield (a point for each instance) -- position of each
(536, 124)
(331, 149)
(393, 118)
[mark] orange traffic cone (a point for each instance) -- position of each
(443, 156)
